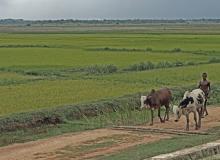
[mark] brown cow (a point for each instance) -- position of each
(157, 99)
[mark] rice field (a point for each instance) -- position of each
(75, 49)
(42, 70)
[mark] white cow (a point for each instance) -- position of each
(192, 102)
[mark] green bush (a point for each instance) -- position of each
(178, 64)
(176, 50)
(190, 63)
(141, 66)
(100, 69)
(164, 64)
(214, 60)
(149, 49)
(149, 65)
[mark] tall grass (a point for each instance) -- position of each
(143, 66)
(214, 60)
(119, 111)
(100, 69)
(119, 117)
(123, 111)
(122, 116)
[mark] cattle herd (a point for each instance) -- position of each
(192, 102)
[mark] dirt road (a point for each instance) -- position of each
(91, 144)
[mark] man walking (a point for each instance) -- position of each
(205, 85)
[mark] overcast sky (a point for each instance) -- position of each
(109, 9)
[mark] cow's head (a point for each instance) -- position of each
(151, 100)
(147, 101)
(177, 113)
(178, 110)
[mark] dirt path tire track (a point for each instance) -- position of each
(31, 150)
(26, 151)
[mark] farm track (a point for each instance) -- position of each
(92, 144)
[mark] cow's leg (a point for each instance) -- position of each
(166, 117)
(161, 120)
(187, 122)
(152, 117)
(200, 116)
(195, 119)
(205, 108)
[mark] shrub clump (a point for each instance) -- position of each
(190, 63)
(214, 60)
(149, 65)
(177, 50)
(141, 66)
(101, 69)
(149, 49)
(164, 64)
(178, 64)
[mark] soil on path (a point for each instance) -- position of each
(91, 144)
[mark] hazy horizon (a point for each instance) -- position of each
(106, 9)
